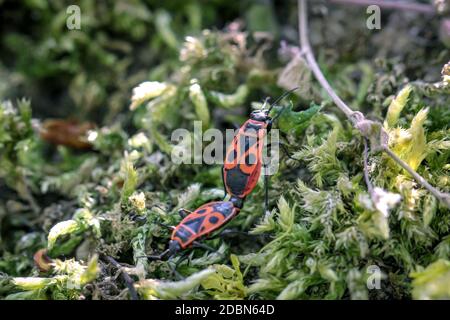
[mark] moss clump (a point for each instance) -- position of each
(326, 237)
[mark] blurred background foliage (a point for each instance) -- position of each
(121, 43)
(137, 70)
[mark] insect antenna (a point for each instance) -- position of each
(266, 100)
(278, 114)
(156, 257)
(165, 225)
(284, 95)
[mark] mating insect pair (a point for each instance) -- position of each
(240, 173)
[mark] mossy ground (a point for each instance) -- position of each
(215, 62)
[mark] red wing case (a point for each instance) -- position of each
(243, 159)
(201, 222)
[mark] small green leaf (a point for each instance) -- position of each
(265, 225)
(295, 121)
(286, 215)
(92, 269)
(292, 291)
(396, 107)
(32, 283)
(163, 21)
(152, 289)
(429, 209)
(146, 91)
(130, 179)
(60, 229)
(27, 295)
(229, 101)
(410, 144)
(199, 100)
(236, 265)
(433, 282)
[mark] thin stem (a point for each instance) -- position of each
(444, 197)
(354, 117)
(366, 167)
(25, 193)
(396, 5)
(126, 278)
(307, 51)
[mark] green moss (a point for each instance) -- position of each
(325, 232)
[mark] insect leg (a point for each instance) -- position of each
(176, 273)
(266, 185)
(227, 232)
(158, 257)
(266, 196)
(223, 181)
(183, 257)
(203, 246)
(165, 225)
(286, 152)
(137, 217)
(183, 212)
(197, 244)
(125, 276)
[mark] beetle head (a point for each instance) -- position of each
(174, 247)
(259, 115)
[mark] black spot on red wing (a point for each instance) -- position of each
(201, 211)
(236, 180)
(252, 140)
(194, 224)
(252, 126)
(183, 234)
(247, 142)
(213, 220)
(250, 159)
(232, 156)
(224, 208)
(202, 229)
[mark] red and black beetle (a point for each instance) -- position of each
(201, 223)
(241, 171)
(243, 158)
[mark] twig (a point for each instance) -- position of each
(306, 49)
(444, 197)
(126, 278)
(357, 118)
(31, 201)
(366, 167)
(24, 191)
(397, 5)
